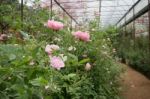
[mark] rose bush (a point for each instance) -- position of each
(52, 65)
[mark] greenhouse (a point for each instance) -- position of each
(74, 49)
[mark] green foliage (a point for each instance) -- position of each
(25, 71)
(134, 52)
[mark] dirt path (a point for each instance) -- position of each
(134, 85)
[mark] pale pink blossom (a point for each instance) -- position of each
(32, 62)
(84, 36)
(93, 29)
(3, 37)
(114, 50)
(57, 39)
(108, 39)
(55, 25)
(57, 62)
(71, 48)
(46, 87)
(84, 55)
(51, 48)
(88, 66)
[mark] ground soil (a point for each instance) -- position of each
(134, 84)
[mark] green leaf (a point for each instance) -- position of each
(73, 56)
(84, 61)
(25, 35)
(3, 96)
(12, 57)
(71, 75)
(39, 82)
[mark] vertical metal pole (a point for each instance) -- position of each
(71, 24)
(100, 2)
(134, 26)
(149, 24)
(125, 27)
(51, 9)
(22, 13)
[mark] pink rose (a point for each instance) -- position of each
(84, 36)
(3, 37)
(50, 48)
(57, 62)
(54, 25)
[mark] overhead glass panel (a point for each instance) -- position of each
(141, 5)
(113, 10)
(129, 15)
(108, 11)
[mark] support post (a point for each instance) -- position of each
(51, 9)
(71, 24)
(100, 2)
(22, 13)
(149, 24)
(125, 32)
(134, 26)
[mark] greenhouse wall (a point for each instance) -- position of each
(135, 30)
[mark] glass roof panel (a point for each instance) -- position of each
(109, 11)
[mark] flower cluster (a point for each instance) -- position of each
(84, 36)
(55, 62)
(54, 25)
